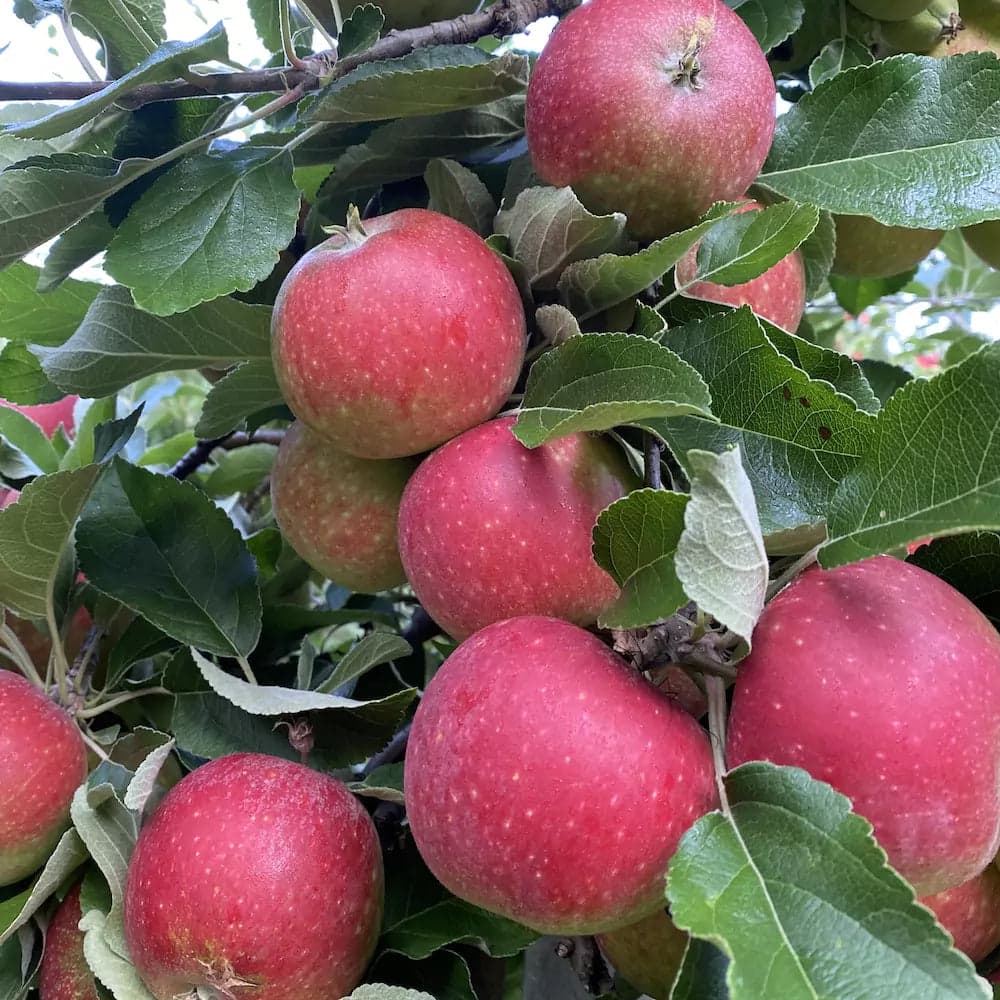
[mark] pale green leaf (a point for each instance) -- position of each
(29, 318)
(457, 192)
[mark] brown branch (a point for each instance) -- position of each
(507, 17)
(200, 453)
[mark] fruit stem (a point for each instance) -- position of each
(688, 70)
(13, 649)
(653, 451)
(247, 669)
(786, 577)
(716, 690)
(354, 233)
(94, 710)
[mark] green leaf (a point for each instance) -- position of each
(214, 224)
(932, 125)
(597, 381)
(721, 561)
(118, 344)
(635, 540)
(240, 470)
(427, 81)
(34, 534)
(29, 318)
(372, 651)
(79, 244)
(141, 788)
(548, 229)
(971, 564)
(361, 30)
(402, 149)
(128, 29)
(13, 149)
(169, 61)
(17, 968)
(162, 548)
(908, 485)
(22, 379)
(797, 437)
(964, 347)
(385, 783)
(264, 14)
(27, 437)
(379, 991)
(855, 295)
(42, 196)
(116, 972)
(68, 855)
(247, 389)
(885, 379)
(839, 55)
(589, 287)
(702, 975)
(457, 192)
(818, 253)
(557, 324)
(453, 921)
(742, 247)
(771, 21)
(793, 888)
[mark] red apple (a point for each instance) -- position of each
(778, 295)
(65, 974)
(882, 680)
(648, 954)
(8, 496)
(255, 876)
(867, 249)
(42, 762)
(971, 913)
(489, 529)
(653, 109)
(49, 416)
(547, 781)
(984, 241)
(398, 333)
(339, 512)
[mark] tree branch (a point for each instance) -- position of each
(507, 17)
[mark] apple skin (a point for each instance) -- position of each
(648, 954)
(43, 760)
(340, 512)
(673, 148)
(971, 913)
(778, 295)
(982, 30)
(515, 786)
(392, 338)
(255, 869)
(939, 24)
(890, 10)
(882, 680)
(403, 14)
(984, 241)
(867, 249)
(490, 529)
(49, 416)
(64, 974)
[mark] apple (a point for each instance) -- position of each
(981, 20)
(547, 781)
(43, 760)
(490, 529)
(8, 496)
(403, 14)
(882, 680)
(49, 416)
(254, 876)
(681, 117)
(647, 954)
(64, 974)
(984, 241)
(890, 10)
(941, 23)
(971, 913)
(397, 333)
(867, 249)
(778, 295)
(339, 512)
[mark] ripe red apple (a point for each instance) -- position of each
(682, 116)
(890, 10)
(648, 954)
(339, 512)
(397, 333)
(547, 781)
(8, 496)
(489, 529)
(402, 14)
(64, 974)
(882, 680)
(49, 416)
(254, 876)
(778, 295)
(984, 241)
(867, 249)
(42, 762)
(971, 913)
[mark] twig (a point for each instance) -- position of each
(81, 56)
(797, 567)
(717, 729)
(507, 17)
(196, 457)
(284, 22)
(94, 710)
(654, 467)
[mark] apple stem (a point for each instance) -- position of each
(716, 690)
(789, 574)
(353, 234)
(688, 70)
(653, 451)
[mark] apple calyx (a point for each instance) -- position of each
(353, 235)
(300, 736)
(688, 69)
(952, 28)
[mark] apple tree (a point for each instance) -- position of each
(500, 500)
